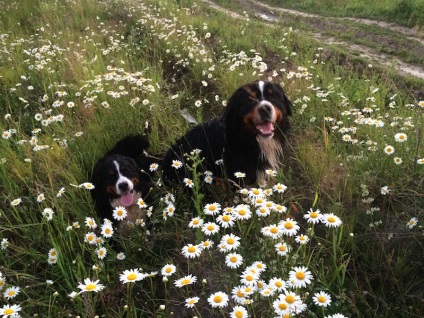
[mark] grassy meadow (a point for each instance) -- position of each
(404, 12)
(337, 232)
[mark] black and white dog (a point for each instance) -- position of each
(121, 177)
(248, 137)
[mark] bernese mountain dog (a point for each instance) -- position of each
(121, 177)
(248, 137)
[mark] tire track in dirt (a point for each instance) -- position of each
(415, 34)
(273, 15)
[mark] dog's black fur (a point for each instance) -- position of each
(121, 176)
(248, 136)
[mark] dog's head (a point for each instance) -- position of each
(117, 177)
(259, 109)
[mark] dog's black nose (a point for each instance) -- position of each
(123, 186)
(265, 109)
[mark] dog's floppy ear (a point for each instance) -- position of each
(285, 100)
(239, 98)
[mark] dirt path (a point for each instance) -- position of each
(413, 33)
(387, 42)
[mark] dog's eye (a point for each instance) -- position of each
(112, 173)
(122, 168)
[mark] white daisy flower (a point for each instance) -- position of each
(233, 260)
(130, 276)
(218, 299)
(322, 299)
(90, 286)
(300, 276)
(191, 251)
(120, 213)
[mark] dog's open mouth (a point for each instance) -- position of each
(127, 198)
(265, 129)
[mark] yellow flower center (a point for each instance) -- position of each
(239, 314)
(90, 287)
(185, 281)
(300, 275)
(282, 306)
(313, 215)
(256, 192)
(9, 311)
(210, 227)
(132, 276)
(331, 219)
(212, 208)
(107, 231)
(242, 212)
(53, 253)
(226, 218)
(289, 299)
(217, 299)
(288, 225)
(279, 284)
(120, 212)
(240, 294)
(282, 248)
(231, 241)
(274, 230)
(321, 299)
(168, 269)
(11, 293)
(249, 278)
(191, 249)
(195, 221)
(233, 259)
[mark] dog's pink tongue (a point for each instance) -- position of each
(127, 199)
(265, 128)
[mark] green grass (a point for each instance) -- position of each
(124, 64)
(404, 12)
(373, 38)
